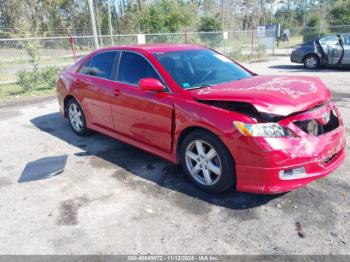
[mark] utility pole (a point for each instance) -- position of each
(262, 9)
(110, 22)
(244, 14)
(304, 12)
(222, 15)
(93, 23)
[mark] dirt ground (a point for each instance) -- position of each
(115, 199)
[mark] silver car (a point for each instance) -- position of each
(333, 50)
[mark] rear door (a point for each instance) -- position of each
(94, 81)
(332, 49)
(143, 116)
(346, 44)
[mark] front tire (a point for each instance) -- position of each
(207, 162)
(76, 118)
(311, 62)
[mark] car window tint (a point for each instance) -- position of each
(100, 65)
(85, 69)
(329, 40)
(133, 67)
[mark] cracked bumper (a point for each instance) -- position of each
(258, 168)
(267, 180)
(318, 156)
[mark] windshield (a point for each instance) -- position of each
(200, 68)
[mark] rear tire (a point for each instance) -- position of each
(206, 162)
(76, 118)
(311, 62)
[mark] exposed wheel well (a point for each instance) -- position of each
(189, 130)
(66, 100)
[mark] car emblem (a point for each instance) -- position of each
(325, 117)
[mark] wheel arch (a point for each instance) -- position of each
(190, 129)
(65, 103)
(311, 53)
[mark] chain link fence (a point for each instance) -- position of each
(30, 65)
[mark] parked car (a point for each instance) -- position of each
(332, 50)
(191, 105)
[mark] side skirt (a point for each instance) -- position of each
(152, 150)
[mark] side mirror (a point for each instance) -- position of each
(151, 84)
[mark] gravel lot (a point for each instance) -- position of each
(115, 199)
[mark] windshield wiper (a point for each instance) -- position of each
(201, 86)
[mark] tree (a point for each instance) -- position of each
(210, 24)
(164, 16)
(340, 13)
(314, 28)
(59, 17)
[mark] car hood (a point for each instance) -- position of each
(278, 95)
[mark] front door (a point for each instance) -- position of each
(141, 115)
(346, 45)
(332, 49)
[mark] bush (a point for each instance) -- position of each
(32, 53)
(31, 80)
(310, 34)
(49, 75)
(28, 80)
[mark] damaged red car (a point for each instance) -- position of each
(227, 126)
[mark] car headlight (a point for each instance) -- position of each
(263, 129)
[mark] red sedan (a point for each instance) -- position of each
(191, 105)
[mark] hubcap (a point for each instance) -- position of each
(311, 62)
(75, 117)
(203, 162)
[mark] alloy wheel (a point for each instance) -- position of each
(75, 117)
(203, 162)
(311, 62)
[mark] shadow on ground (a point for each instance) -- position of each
(301, 68)
(106, 152)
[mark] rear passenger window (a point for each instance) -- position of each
(100, 65)
(133, 67)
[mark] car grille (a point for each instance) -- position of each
(332, 124)
(330, 159)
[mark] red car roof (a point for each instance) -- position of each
(157, 47)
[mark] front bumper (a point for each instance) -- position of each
(258, 168)
(268, 181)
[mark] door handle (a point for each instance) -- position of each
(116, 92)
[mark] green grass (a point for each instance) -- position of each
(43, 61)
(12, 75)
(293, 41)
(9, 91)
